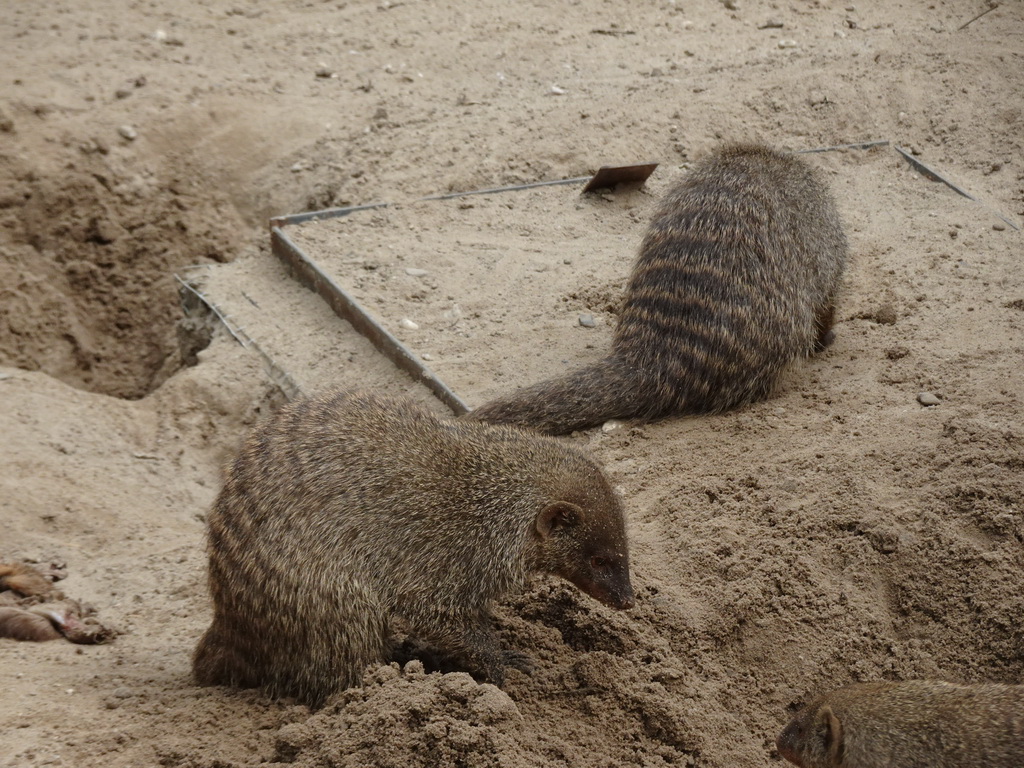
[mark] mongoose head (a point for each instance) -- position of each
(585, 543)
(814, 738)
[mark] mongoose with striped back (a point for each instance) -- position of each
(736, 277)
(347, 511)
(912, 724)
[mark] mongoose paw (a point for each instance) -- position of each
(825, 341)
(519, 660)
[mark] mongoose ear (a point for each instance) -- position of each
(831, 729)
(559, 514)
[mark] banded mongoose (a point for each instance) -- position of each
(913, 724)
(347, 511)
(736, 277)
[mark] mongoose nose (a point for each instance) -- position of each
(626, 603)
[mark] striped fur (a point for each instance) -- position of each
(737, 277)
(346, 511)
(909, 724)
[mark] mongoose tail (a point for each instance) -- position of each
(580, 399)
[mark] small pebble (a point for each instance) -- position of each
(427, 356)
(408, 324)
(612, 425)
(587, 321)
(927, 398)
(998, 227)
(787, 43)
(886, 315)
(127, 132)
(415, 271)
(558, 90)
(323, 71)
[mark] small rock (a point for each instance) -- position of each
(298, 167)
(996, 227)
(787, 44)
(927, 399)
(122, 93)
(323, 71)
(416, 271)
(127, 132)
(160, 35)
(587, 321)
(612, 425)
(408, 324)
(886, 315)
(558, 90)
(426, 356)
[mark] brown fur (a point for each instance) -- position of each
(26, 624)
(736, 277)
(914, 724)
(347, 511)
(31, 581)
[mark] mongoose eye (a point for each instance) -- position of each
(599, 562)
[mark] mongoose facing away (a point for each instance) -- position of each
(736, 277)
(346, 511)
(913, 724)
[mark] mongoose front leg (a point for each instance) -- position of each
(823, 324)
(479, 645)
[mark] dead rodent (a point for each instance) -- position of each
(31, 581)
(32, 608)
(914, 724)
(346, 511)
(66, 619)
(737, 276)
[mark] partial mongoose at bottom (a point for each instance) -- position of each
(912, 724)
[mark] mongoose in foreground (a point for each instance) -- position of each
(736, 277)
(346, 511)
(913, 724)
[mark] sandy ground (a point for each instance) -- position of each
(839, 531)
